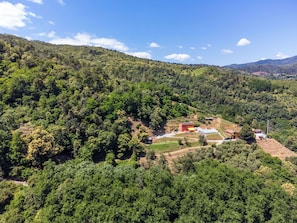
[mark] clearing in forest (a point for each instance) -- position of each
(275, 149)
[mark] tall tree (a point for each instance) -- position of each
(246, 133)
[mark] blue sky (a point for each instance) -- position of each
(214, 32)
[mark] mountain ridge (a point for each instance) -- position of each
(277, 68)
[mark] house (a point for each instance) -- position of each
(233, 134)
(259, 134)
(186, 127)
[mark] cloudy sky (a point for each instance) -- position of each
(213, 32)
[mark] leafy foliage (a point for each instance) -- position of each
(84, 192)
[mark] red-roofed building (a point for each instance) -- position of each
(186, 127)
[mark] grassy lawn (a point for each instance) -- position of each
(168, 146)
(165, 146)
(165, 139)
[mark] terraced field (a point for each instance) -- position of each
(275, 149)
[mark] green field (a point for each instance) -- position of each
(165, 146)
(168, 146)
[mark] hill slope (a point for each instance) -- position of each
(91, 104)
(281, 69)
(79, 99)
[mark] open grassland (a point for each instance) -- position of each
(170, 145)
(165, 146)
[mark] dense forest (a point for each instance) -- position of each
(234, 182)
(64, 109)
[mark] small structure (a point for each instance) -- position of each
(259, 134)
(149, 140)
(186, 127)
(206, 131)
(233, 134)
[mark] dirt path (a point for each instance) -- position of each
(275, 149)
(171, 156)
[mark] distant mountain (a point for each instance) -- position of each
(281, 69)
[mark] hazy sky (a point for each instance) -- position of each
(217, 32)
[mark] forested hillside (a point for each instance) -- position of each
(76, 103)
(79, 100)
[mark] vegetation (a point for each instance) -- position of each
(234, 182)
(67, 115)
(246, 133)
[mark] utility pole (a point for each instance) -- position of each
(267, 127)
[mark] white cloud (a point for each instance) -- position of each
(192, 48)
(206, 47)
(51, 23)
(145, 55)
(12, 16)
(61, 2)
(178, 57)
(51, 34)
(281, 55)
(109, 43)
(199, 57)
(154, 45)
(34, 15)
(180, 46)
(226, 51)
(86, 39)
(243, 42)
(36, 1)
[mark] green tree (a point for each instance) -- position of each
(18, 149)
(110, 158)
(5, 137)
(135, 146)
(156, 118)
(246, 133)
(202, 140)
(123, 144)
(150, 154)
(41, 146)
